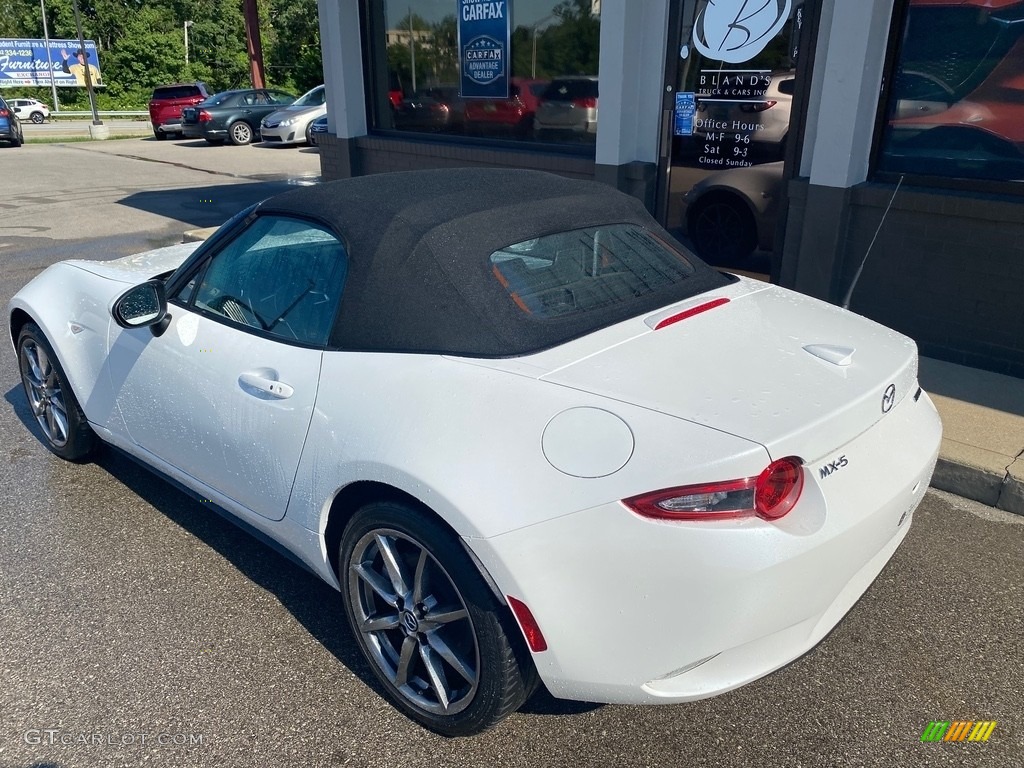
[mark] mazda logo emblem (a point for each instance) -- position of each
(889, 398)
(410, 622)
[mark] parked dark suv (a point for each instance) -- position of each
(168, 101)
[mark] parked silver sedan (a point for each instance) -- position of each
(292, 124)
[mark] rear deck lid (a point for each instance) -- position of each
(797, 375)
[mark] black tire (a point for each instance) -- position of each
(309, 133)
(474, 640)
(159, 135)
(36, 117)
(65, 429)
(240, 133)
(722, 229)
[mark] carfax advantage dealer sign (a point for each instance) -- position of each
(483, 49)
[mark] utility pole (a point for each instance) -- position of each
(88, 76)
(49, 61)
(186, 25)
(254, 44)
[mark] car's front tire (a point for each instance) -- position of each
(240, 132)
(50, 397)
(447, 653)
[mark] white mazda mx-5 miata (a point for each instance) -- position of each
(527, 435)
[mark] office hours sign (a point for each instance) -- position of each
(484, 33)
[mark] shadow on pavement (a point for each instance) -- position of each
(206, 206)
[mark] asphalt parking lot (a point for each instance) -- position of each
(138, 627)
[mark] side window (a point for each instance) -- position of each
(282, 276)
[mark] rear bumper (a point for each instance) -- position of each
(638, 611)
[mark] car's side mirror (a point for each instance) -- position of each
(141, 306)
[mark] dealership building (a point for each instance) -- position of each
(876, 145)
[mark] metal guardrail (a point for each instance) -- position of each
(101, 113)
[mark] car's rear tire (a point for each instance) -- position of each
(722, 229)
(159, 135)
(240, 133)
(36, 117)
(447, 653)
(53, 404)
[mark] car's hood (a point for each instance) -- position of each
(141, 266)
(286, 112)
(794, 374)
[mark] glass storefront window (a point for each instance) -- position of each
(551, 73)
(956, 104)
(736, 76)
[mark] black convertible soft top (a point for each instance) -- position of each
(420, 275)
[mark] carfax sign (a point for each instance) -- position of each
(24, 62)
(483, 49)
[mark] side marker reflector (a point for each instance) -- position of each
(531, 630)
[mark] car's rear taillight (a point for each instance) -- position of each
(588, 103)
(778, 488)
(757, 106)
(204, 116)
(770, 495)
(5, 113)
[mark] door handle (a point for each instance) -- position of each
(264, 384)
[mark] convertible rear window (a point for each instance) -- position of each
(573, 272)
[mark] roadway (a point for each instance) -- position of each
(130, 611)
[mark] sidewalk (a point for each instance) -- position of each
(982, 454)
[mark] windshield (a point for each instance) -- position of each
(586, 269)
(313, 98)
(219, 99)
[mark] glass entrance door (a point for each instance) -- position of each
(730, 118)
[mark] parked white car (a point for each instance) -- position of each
(292, 124)
(526, 434)
(29, 109)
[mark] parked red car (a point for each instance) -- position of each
(167, 102)
(514, 114)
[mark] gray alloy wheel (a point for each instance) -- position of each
(447, 653)
(50, 397)
(240, 133)
(36, 117)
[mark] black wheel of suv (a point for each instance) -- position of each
(722, 229)
(50, 397)
(448, 654)
(159, 135)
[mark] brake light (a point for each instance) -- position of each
(588, 103)
(204, 116)
(770, 495)
(757, 106)
(691, 312)
(778, 488)
(4, 113)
